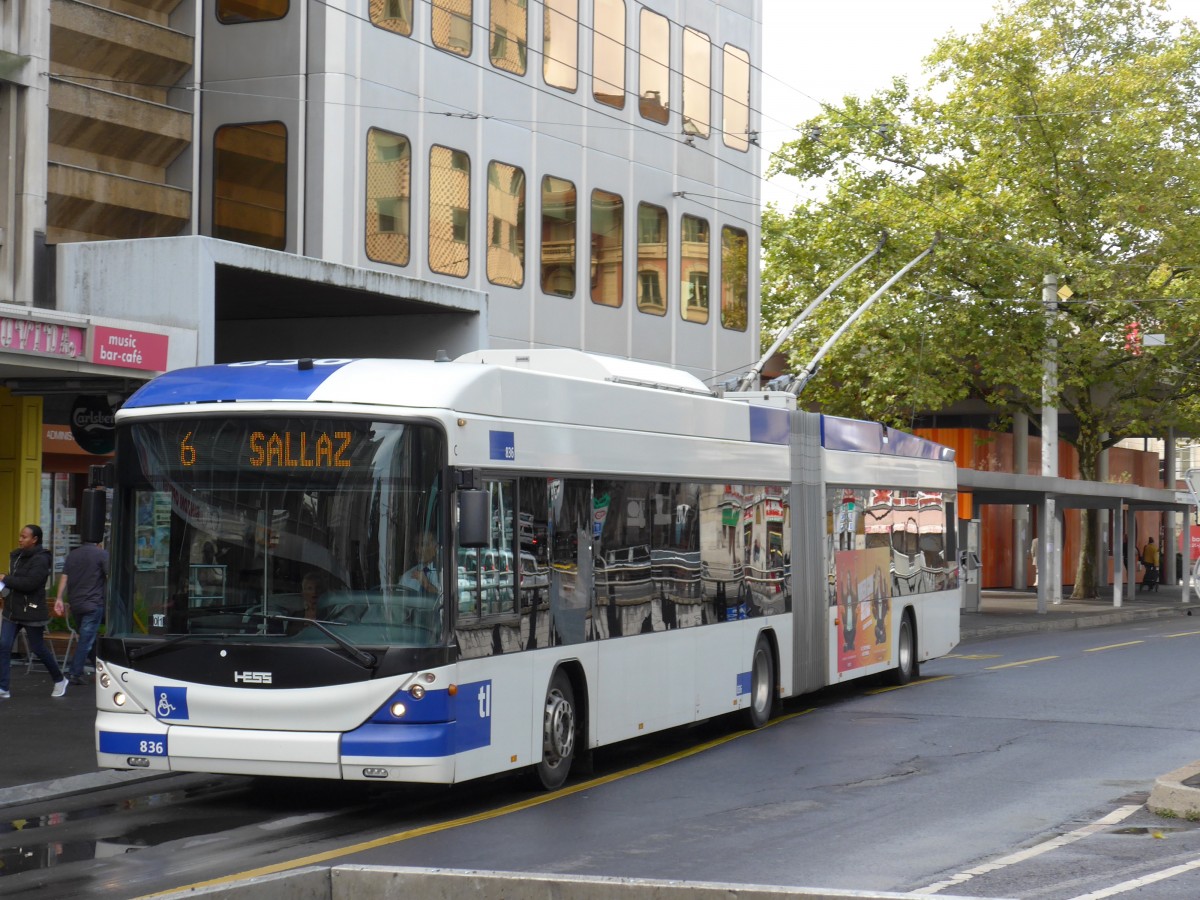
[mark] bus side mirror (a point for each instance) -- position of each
(93, 512)
(474, 521)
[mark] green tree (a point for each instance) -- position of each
(1061, 138)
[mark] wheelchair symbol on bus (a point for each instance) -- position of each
(164, 706)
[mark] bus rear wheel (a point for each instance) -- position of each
(762, 684)
(559, 732)
(906, 652)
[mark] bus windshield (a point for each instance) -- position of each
(255, 527)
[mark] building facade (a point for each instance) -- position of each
(193, 182)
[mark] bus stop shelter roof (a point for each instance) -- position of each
(1005, 488)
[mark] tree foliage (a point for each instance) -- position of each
(1061, 138)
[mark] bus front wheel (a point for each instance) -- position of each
(559, 731)
(762, 684)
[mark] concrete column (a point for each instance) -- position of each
(1020, 537)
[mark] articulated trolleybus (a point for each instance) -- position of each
(434, 571)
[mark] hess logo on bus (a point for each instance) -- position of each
(251, 677)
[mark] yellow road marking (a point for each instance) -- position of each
(898, 687)
(1112, 646)
(1023, 662)
(1182, 634)
(971, 656)
(397, 838)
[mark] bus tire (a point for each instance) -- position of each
(907, 667)
(560, 728)
(762, 684)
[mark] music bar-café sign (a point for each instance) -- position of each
(101, 345)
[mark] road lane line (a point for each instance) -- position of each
(1023, 662)
(1112, 646)
(900, 687)
(1182, 634)
(1136, 883)
(398, 837)
(1117, 815)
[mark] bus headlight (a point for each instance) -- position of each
(398, 710)
(416, 691)
(105, 681)
(118, 699)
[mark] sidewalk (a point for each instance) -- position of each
(49, 746)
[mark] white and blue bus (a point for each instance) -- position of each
(421, 571)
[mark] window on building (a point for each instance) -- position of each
(608, 243)
(506, 225)
(558, 236)
(608, 53)
(697, 83)
(389, 189)
(735, 278)
(693, 269)
(654, 68)
(235, 12)
(560, 44)
(736, 103)
(451, 24)
(394, 15)
(449, 211)
(509, 27)
(652, 259)
(250, 184)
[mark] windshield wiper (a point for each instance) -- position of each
(150, 649)
(362, 657)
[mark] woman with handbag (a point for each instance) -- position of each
(25, 607)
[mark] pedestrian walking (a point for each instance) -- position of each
(83, 583)
(25, 608)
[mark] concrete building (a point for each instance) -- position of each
(193, 182)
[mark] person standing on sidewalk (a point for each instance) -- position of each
(83, 582)
(25, 607)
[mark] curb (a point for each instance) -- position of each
(1068, 622)
(1172, 796)
(74, 784)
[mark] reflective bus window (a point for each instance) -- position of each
(235, 12)
(652, 259)
(558, 236)
(509, 30)
(560, 44)
(697, 83)
(735, 278)
(693, 270)
(736, 103)
(506, 225)
(654, 68)
(389, 189)
(449, 211)
(451, 24)
(608, 53)
(608, 240)
(250, 184)
(394, 15)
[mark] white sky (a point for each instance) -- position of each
(818, 51)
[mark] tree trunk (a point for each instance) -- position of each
(1089, 448)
